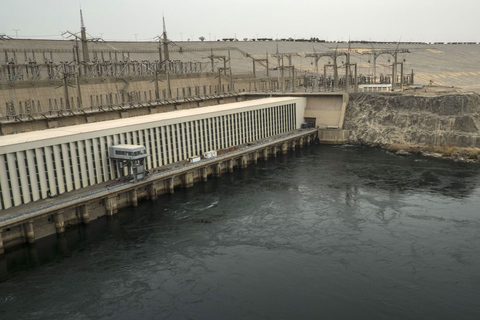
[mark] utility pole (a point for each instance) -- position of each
(77, 79)
(165, 43)
(65, 87)
(157, 88)
(332, 55)
(212, 58)
(291, 68)
(347, 69)
(230, 72)
(376, 53)
(335, 70)
(83, 34)
(169, 88)
(160, 49)
(266, 61)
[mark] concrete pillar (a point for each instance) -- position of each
(230, 165)
(188, 180)
(152, 192)
(111, 205)
(170, 185)
(2, 249)
(59, 222)
(132, 198)
(204, 174)
(29, 232)
(275, 150)
(300, 143)
(309, 140)
(284, 148)
(243, 162)
(265, 154)
(255, 157)
(84, 214)
(294, 144)
(218, 169)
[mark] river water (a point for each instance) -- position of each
(325, 232)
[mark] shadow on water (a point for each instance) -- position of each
(346, 169)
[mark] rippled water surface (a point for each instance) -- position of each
(321, 233)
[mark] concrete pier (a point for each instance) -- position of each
(85, 216)
(59, 222)
(2, 249)
(29, 232)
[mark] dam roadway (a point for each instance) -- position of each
(39, 219)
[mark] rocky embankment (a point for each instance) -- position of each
(442, 125)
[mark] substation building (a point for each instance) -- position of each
(42, 164)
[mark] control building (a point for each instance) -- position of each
(42, 164)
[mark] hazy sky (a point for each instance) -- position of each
(382, 20)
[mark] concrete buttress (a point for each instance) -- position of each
(152, 192)
(218, 169)
(2, 249)
(171, 185)
(29, 232)
(84, 214)
(59, 222)
(188, 180)
(111, 205)
(133, 198)
(244, 162)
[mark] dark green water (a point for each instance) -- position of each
(321, 233)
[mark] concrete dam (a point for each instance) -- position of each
(58, 120)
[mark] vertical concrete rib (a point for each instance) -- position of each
(76, 172)
(60, 183)
(66, 166)
(97, 156)
(89, 163)
(42, 174)
(84, 172)
(158, 156)
(4, 188)
(32, 173)
(164, 142)
(22, 170)
(168, 155)
(103, 158)
(12, 170)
